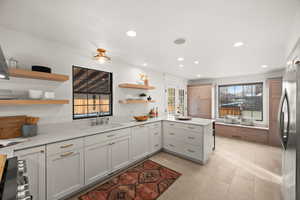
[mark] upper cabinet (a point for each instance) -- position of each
(200, 101)
(275, 89)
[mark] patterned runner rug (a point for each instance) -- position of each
(146, 181)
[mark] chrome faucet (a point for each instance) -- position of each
(99, 120)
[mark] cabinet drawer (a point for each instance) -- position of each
(172, 125)
(156, 146)
(64, 146)
(193, 138)
(172, 133)
(254, 135)
(155, 125)
(191, 127)
(193, 151)
(173, 145)
(90, 140)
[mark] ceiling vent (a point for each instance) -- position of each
(179, 41)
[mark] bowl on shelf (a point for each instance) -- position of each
(35, 94)
(141, 118)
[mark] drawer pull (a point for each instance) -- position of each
(171, 124)
(192, 138)
(66, 146)
(171, 145)
(110, 135)
(156, 145)
(191, 127)
(141, 126)
(112, 143)
(66, 154)
(156, 133)
(172, 133)
(191, 151)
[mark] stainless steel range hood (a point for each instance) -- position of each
(3, 66)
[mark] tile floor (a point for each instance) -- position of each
(237, 170)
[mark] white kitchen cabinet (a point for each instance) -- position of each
(65, 173)
(140, 142)
(155, 137)
(35, 162)
(120, 153)
(97, 161)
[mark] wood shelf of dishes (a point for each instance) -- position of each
(22, 73)
(136, 86)
(32, 102)
(135, 101)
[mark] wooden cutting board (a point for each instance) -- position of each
(2, 165)
(11, 127)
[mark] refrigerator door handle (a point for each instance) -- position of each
(284, 132)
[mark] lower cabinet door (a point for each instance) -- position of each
(156, 140)
(65, 173)
(140, 142)
(97, 162)
(120, 153)
(35, 161)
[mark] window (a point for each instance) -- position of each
(92, 93)
(244, 100)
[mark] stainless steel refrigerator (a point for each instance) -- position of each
(289, 124)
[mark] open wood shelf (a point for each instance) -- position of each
(136, 86)
(32, 102)
(135, 101)
(22, 73)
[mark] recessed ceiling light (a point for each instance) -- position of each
(196, 62)
(181, 65)
(131, 33)
(264, 66)
(198, 75)
(180, 59)
(145, 64)
(238, 44)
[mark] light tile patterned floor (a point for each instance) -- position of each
(237, 170)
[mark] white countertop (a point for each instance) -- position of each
(52, 133)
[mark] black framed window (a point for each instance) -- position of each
(92, 93)
(244, 100)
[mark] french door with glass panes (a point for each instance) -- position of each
(176, 98)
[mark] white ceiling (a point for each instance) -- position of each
(210, 27)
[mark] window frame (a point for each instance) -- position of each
(242, 84)
(110, 93)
